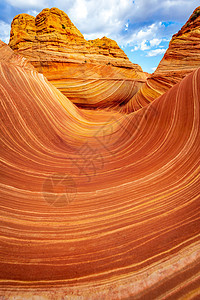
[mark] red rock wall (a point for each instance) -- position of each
(181, 58)
(97, 205)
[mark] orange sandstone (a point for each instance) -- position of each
(57, 49)
(93, 206)
(181, 58)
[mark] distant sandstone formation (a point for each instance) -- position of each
(94, 73)
(181, 58)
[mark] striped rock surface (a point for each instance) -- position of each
(181, 58)
(97, 205)
(94, 73)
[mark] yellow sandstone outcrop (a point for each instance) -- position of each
(57, 49)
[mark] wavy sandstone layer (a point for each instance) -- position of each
(82, 70)
(181, 58)
(97, 205)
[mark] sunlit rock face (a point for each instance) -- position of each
(82, 70)
(181, 58)
(97, 204)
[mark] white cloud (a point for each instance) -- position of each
(126, 26)
(169, 10)
(156, 52)
(33, 12)
(79, 10)
(4, 32)
(100, 16)
(25, 4)
(144, 35)
(144, 46)
(136, 48)
(93, 36)
(155, 42)
(149, 31)
(153, 69)
(145, 38)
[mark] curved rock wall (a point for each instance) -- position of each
(97, 205)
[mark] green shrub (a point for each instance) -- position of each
(195, 15)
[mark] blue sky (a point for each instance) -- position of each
(143, 28)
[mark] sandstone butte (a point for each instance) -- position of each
(94, 73)
(125, 224)
(181, 58)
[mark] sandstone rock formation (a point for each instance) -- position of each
(82, 70)
(92, 205)
(181, 58)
